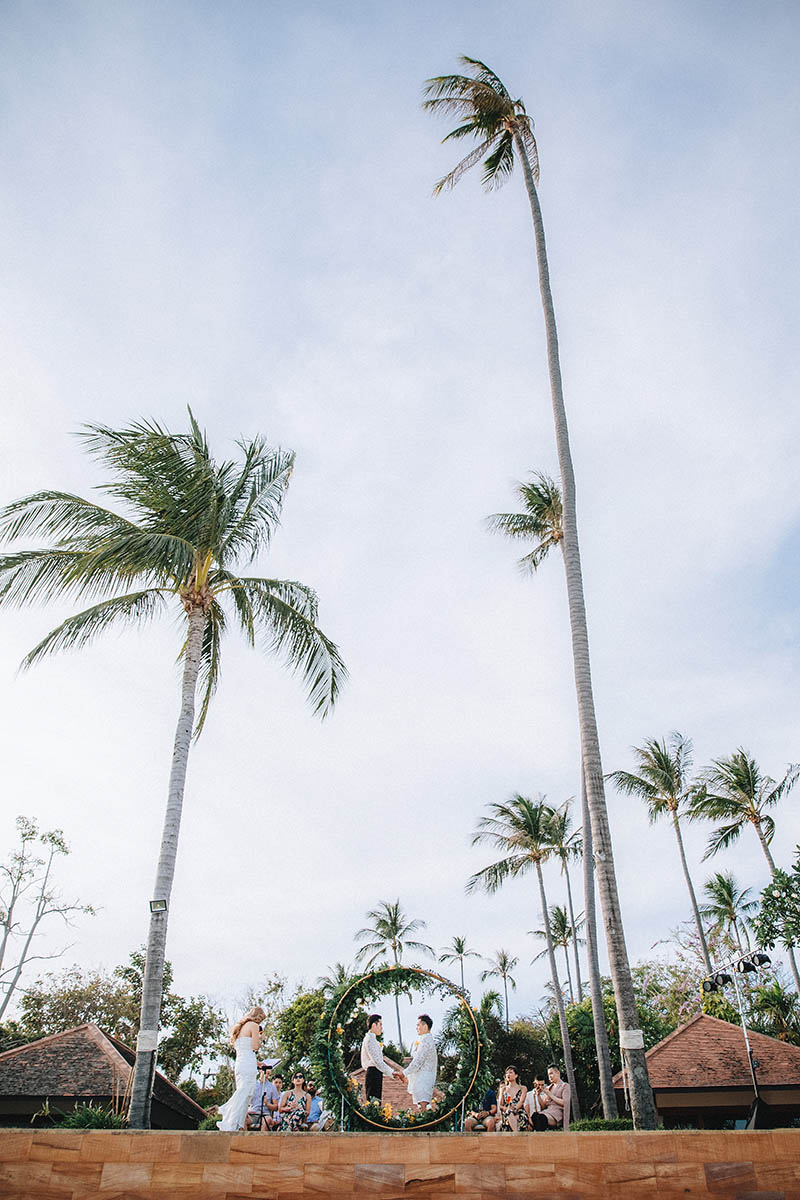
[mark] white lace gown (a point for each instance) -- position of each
(245, 1070)
(421, 1071)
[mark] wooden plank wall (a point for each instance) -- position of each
(69, 1165)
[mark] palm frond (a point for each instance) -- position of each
(208, 676)
(491, 878)
(722, 838)
(449, 181)
(500, 163)
(285, 612)
(80, 629)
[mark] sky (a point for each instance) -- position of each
(230, 207)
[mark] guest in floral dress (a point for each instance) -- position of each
(513, 1116)
(295, 1105)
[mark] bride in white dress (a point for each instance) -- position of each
(420, 1073)
(245, 1039)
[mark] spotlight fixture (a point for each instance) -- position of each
(158, 906)
(744, 966)
(721, 978)
(760, 960)
(708, 986)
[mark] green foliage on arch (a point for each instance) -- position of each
(473, 1075)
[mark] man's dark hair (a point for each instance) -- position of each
(373, 1019)
(554, 1067)
(424, 1017)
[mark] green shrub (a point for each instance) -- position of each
(209, 1122)
(93, 1116)
(595, 1124)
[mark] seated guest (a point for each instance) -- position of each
(535, 1105)
(319, 1119)
(264, 1102)
(484, 1117)
(274, 1114)
(556, 1099)
(511, 1104)
(295, 1104)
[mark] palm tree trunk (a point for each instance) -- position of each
(631, 1038)
(152, 988)
(505, 989)
(771, 861)
(607, 1096)
(562, 1016)
(397, 1005)
(461, 960)
(569, 975)
(688, 878)
(574, 936)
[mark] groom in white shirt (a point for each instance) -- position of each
(372, 1060)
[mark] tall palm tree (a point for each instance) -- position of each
(728, 907)
(521, 830)
(457, 951)
(563, 932)
(541, 522)
(389, 934)
(662, 780)
(568, 846)
(500, 967)
(735, 790)
(187, 526)
(488, 112)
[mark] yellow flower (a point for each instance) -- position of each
(387, 1111)
(340, 1029)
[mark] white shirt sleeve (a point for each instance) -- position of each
(425, 1057)
(372, 1055)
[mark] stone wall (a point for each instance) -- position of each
(68, 1165)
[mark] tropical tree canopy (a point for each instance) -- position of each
(389, 933)
(736, 791)
(540, 522)
(728, 907)
(488, 113)
(185, 526)
(662, 776)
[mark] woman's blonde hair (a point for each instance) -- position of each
(255, 1014)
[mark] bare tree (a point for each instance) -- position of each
(28, 898)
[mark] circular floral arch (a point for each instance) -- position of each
(472, 1075)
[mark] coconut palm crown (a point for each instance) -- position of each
(729, 907)
(662, 779)
(540, 521)
(185, 527)
(490, 114)
(457, 951)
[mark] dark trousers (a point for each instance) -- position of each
(373, 1083)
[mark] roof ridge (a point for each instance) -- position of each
(48, 1037)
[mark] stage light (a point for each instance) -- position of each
(158, 906)
(721, 978)
(761, 960)
(708, 986)
(745, 967)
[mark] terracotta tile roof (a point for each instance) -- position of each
(707, 1052)
(394, 1091)
(81, 1062)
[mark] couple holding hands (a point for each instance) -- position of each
(419, 1075)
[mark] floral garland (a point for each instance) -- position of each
(473, 1074)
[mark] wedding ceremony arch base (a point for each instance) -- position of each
(151, 1165)
(357, 998)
